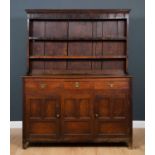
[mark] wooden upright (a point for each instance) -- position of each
(77, 88)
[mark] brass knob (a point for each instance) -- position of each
(77, 85)
(58, 115)
(111, 85)
(96, 115)
(43, 85)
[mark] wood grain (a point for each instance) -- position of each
(138, 147)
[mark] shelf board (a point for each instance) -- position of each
(79, 39)
(77, 57)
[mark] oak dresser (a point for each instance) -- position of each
(77, 88)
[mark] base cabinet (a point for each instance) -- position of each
(77, 110)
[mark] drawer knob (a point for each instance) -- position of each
(77, 85)
(43, 85)
(96, 115)
(111, 85)
(58, 115)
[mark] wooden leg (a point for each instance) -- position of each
(25, 144)
(130, 145)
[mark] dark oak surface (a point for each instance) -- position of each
(77, 87)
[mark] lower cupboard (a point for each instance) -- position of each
(77, 110)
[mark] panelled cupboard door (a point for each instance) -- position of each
(77, 125)
(110, 111)
(43, 118)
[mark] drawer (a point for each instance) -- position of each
(41, 85)
(112, 84)
(78, 85)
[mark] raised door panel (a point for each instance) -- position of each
(111, 106)
(35, 108)
(119, 106)
(77, 108)
(43, 118)
(70, 108)
(77, 117)
(102, 106)
(111, 116)
(51, 108)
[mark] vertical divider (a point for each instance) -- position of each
(67, 43)
(102, 45)
(117, 35)
(28, 45)
(94, 43)
(117, 28)
(92, 52)
(126, 43)
(44, 61)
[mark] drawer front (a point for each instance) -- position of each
(112, 84)
(78, 84)
(42, 86)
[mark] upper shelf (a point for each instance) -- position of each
(79, 39)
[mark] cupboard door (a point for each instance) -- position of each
(77, 123)
(110, 112)
(43, 118)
